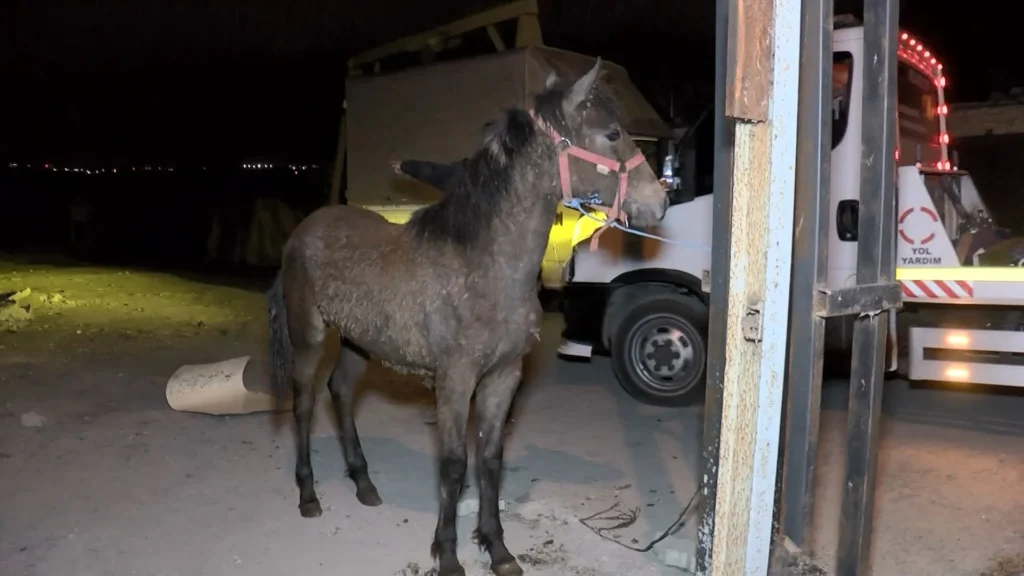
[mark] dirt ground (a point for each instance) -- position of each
(99, 477)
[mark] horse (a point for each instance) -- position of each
(451, 295)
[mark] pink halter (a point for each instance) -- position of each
(566, 149)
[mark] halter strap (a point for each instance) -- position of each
(566, 149)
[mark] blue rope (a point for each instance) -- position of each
(579, 205)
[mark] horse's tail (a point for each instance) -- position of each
(280, 340)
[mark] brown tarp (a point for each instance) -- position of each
(437, 113)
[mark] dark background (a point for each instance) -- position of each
(183, 79)
(190, 84)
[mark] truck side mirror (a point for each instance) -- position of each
(667, 156)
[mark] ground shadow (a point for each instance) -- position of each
(651, 436)
(985, 409)
(407, 478)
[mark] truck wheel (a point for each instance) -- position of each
(659, 350)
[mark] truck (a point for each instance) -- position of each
(644, 302)
(435, 110)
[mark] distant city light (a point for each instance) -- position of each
(295, 169)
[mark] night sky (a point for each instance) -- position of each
(182, 80)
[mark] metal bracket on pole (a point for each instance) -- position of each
(753, 323)
(857, 300)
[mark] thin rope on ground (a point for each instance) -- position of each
(626, 519)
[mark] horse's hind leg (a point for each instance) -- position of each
(304, 392)
(347, 370)
(304, 365)
(493, 398)
(306, 330)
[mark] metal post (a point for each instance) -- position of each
(761, 96)
(810, 254)
(874, 266)
(720, 262)
(339, 160)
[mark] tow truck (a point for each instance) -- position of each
(644, 301)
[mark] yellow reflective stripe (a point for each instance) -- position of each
(967, 273)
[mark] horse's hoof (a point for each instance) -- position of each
(310, 509)
(369, 497)
(508, 568)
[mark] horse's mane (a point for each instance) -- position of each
(477, 195)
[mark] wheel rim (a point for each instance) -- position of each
(666, 354)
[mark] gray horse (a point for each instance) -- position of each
(452, 294)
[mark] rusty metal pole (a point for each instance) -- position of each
(810, 255)
(875, 266)
(761, 93)
(721, 258)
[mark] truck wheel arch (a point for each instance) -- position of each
(636, 285)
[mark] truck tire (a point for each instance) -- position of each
(659, 350)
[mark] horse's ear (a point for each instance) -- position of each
(551, 80)
(581, 89)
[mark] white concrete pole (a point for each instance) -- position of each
(761, 99)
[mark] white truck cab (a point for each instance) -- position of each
(645, 301)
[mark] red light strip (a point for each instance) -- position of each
(913, 52)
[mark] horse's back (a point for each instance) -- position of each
(332, 228)
(341, 218)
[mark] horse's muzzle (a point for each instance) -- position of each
(644, 214)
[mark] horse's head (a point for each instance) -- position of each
(599, 160)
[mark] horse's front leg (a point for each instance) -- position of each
(493, 400)
(454, 388)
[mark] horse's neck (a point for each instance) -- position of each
(520, 237)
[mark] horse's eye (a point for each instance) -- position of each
(613, 136)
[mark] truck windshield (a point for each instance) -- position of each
(842, 67)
